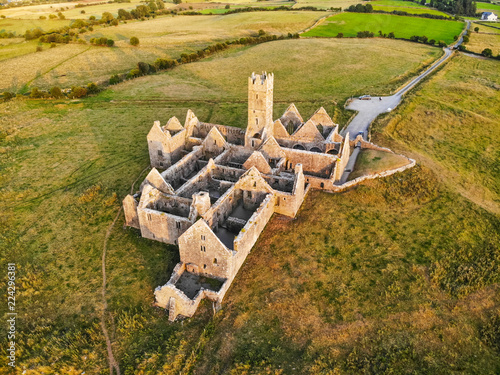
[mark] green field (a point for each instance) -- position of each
(399, 275)
(398, 3)
(165, 37)
(481, 7)
(410, 10)
(403, 27)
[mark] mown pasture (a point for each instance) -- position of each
(403, 27)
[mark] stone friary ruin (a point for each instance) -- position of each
(213, 188)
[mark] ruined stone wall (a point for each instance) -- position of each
(161, 226)
(183, 167)
(311, 161)
(130, 210)
(349, 184)
(219, 212)
(245, 240)
(231, 134)
(200, 246)
(164, 149)
(227, 173)
(308, 145)
(183, 305)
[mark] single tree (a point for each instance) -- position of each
(487, 52)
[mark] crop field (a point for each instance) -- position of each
(411, 10)
(478, 42)
(367, 290)
(165, 37)
(482, 7)
(403, 27)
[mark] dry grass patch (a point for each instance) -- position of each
(478, 42)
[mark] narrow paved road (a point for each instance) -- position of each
(368, 110)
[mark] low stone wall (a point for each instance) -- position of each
(349, 184)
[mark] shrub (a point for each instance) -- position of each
(36, 93)
(134, 41)
(442, 43)
(465, 39)
(114, 79)
(227, 6)
(92, 88)
(134, 73)
(52, 45)
(82, 11)
(391, 35)
(432, 42)
(340, 35)
(8, 95)
(42, 17)
(365, 34)
(55, 92)
(110, 42)
(476, 29)
(39, 48)
(78, 92)
(143, 67)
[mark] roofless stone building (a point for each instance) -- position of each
(213, 188)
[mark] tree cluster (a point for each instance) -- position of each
(457, 7)
(360, 8)
(102, 42)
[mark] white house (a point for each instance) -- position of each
(489, 16)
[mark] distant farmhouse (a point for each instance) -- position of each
(489, 16)
(213, 188)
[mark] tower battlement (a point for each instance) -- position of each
(261, 82)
